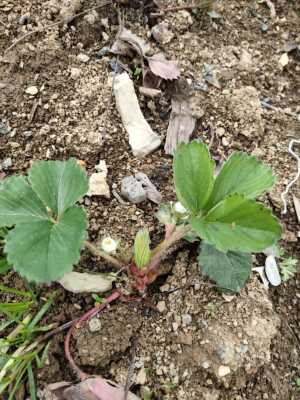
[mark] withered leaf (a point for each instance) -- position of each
(181, 125)
(160, 66)
(128, 40)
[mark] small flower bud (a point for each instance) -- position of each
(178, 207)
(109, 245)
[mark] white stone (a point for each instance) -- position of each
(141, 377)
(77, 282)
(94, 324)
(223, 371)
(84, 58)
(75, 73)
(284, 60)
(142, 139)
(32, 90)
(161, 306)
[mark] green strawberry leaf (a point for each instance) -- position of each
(19, 203)
(4, 266)
(237, 223)
(59, 184)
(241, 174)
(229, 270)
(43, 251)
(193, 175)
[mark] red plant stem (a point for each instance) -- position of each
(85, 317)
(177, 235)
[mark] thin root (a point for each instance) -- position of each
(291, 183)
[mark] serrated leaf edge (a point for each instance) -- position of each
(31, 278)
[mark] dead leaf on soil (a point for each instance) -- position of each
(160, 66)
(128, 40)
(181, 125)
(90, 389)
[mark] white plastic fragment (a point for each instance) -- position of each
(81, 282)
(272, 271)
(142, 139)
(261, 272)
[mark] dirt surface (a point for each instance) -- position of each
(73, 114)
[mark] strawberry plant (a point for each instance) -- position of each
(47, 230)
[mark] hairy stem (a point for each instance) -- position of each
(178, 234)
(99, 253)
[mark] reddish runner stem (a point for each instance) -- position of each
(85, 317)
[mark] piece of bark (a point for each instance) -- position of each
(142, 139)
(166, 69)
(181, 125)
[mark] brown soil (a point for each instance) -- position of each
(75, 116)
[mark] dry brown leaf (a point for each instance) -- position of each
(127, 41)
(160, 66)
(181, 125)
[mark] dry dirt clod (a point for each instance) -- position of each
(97, 182)
(77, 282)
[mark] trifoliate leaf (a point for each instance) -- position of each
(43, 251)
(19, 203)
(229, 270)
(193, 175)
(241, 174)
(59, 184)
(237, 223)
(142, 252)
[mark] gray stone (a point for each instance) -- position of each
(132, 190)
(186, 319)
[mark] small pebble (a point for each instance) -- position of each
(161, 306)
(83, 58)
(94, 325)
(223, 370)
(75, 73)
(264, 27)
(32, 90)
(186, 319)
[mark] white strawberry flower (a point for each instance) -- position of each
(109, 245)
